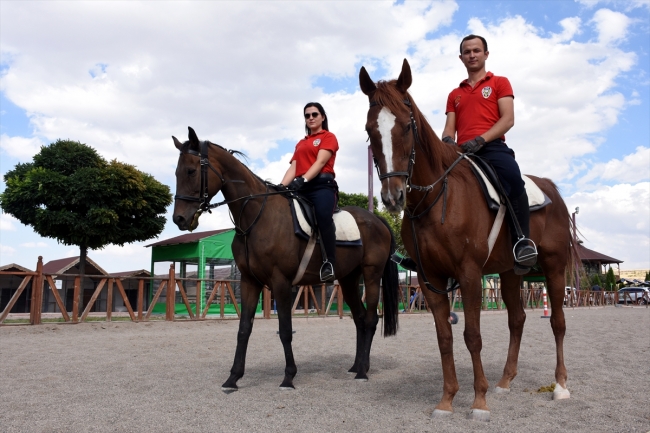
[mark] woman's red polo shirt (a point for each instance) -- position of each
(477, 108)
(307, 150)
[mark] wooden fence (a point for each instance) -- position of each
(531, 298)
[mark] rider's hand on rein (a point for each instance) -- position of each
(473, 146)
(447, 139)
(297, 183)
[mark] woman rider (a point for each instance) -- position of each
(311, 175)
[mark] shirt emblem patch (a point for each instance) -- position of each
(457, 101)
(317, 142)
(487, 91)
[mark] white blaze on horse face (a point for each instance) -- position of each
(385, 123)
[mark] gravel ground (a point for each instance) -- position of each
(141, 377)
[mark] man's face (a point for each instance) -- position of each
(473, 56)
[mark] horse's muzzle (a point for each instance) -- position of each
(393, 199)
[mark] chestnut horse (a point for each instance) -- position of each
(446, 227)
(267, 251)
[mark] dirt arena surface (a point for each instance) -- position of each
(166, 377)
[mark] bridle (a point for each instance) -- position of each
(411, 214)
(204, 198)
(409, 170)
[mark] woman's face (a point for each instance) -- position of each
(313, 119)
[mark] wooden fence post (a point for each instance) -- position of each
(171, 294)
(109, 300)
(266, 302)
(75, 300)
(37, 294)
(140, 299)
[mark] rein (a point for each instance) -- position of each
(412, 216)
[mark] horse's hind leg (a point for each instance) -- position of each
(516, 318)
(250, 294)
(283, 301)
(555, 282)
(350, 289)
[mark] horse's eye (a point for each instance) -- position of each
(407, 129)
(191, 171)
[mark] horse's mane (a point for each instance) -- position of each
(189, 145)
(440, 155)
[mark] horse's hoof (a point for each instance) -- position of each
(287, 388)
(500, 390)
(439, 413)
(229, 389)
(560, 393)
(361, 377)
(479, 415)
(353, 370)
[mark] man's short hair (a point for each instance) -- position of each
(468, 37)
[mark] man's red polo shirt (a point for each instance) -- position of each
(477, 109)
(307, 151)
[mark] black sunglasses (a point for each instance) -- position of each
(314, 115)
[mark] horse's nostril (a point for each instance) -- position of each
(178, 219)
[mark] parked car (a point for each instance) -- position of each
(637, 295)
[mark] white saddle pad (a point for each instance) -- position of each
(535, 194)
(346, 226)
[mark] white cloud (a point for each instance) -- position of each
(616, 221)
(628, 4)
(612, 26)
(7, 222)
(631, 169)
(6, 251)
(20, 148)
(34, 244)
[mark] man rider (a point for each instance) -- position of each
(479, 113)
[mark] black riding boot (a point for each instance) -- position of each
(328, 238)
(524, 249)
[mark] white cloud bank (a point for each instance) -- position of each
(125, 76)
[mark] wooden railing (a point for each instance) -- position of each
(222, 293)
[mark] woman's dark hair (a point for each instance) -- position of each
(321, 110)
(468, 37)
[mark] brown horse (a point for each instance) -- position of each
(450, 234)
(267, 251)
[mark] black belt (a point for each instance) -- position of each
(325, 176)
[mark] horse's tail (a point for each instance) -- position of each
(390, 283)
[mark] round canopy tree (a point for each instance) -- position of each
(72, 194)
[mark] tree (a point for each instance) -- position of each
(72, 194)
(610, 279)
(356, 199)
(647, 276)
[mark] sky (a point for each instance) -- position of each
(123, 77)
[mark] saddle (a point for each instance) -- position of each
(304, 220)
(487, 179)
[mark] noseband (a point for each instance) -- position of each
(409, 170)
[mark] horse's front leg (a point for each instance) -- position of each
(440, 309)
(282, 293)
(250, 295)
(472, 288)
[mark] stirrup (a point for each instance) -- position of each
(327, 271)
(527, 256)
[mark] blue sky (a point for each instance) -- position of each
(580, 71)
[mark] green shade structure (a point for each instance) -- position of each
(203, 249)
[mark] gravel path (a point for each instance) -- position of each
(141, 377)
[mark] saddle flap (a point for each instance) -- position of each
(487, 178)
(347, 231)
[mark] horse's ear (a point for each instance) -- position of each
(365, 82)
(178, 144)
(194, 139)
(405, 79)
